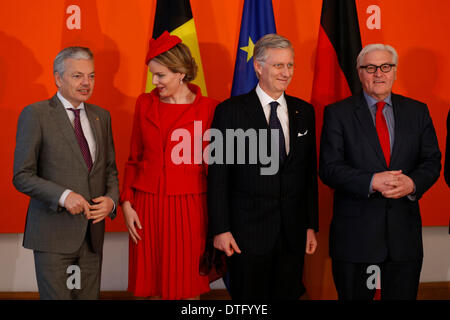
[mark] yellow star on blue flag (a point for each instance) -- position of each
(257, 21)
(249, 49)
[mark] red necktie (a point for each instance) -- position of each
(383, 132)
(82, 139)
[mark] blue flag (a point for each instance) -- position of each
(257, 21)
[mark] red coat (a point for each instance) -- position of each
(148, 163)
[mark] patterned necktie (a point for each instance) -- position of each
(383, 132)
(274, 123)
(82, 139)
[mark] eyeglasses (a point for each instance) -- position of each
(385, 67)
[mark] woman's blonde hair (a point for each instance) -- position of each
(179, 59)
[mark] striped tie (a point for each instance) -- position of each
(274, 123)
(82, 139)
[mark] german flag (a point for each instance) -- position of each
(335, 78)
(176, 17)
(335, 74)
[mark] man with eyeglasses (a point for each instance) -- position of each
(380, 154)
(266, 223)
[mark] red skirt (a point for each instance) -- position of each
(165, 262)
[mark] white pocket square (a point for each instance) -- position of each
(302, 134)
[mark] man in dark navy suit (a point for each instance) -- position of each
(380, 153)
(266, 221)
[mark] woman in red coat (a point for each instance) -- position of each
(164, 190)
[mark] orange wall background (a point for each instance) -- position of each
(33, 32)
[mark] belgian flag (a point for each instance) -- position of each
(335, 78)
(176, 17)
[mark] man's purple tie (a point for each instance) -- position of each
(274, 123)
(82, 139)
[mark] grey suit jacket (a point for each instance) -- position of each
(47, 161)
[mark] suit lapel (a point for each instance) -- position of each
(60, 117)
(296, 123)
(253, 107)
(365, 119)
(152, 114)
(399, 114)
(94, 121)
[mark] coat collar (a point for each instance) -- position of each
(297, 122)
(252, 105)
(400, 114)
(59, 114)
(363, 115)
(152, 113)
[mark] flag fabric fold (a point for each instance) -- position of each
(176, 17)
(257, 21)
(339, 43)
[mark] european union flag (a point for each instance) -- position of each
(257, 21)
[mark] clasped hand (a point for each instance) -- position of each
(76, 204)
(392, 184)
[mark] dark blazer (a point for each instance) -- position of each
(47, 161)
(367, 228)
(447, 153)
(255, 208)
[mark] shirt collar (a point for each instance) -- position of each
(265, 99)
(372, 102)
(67, 104)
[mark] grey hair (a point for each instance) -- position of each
(270, 40)
(377, 47)
(70, 53)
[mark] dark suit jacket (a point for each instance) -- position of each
(47, 161)
(255, 208)
(369, 228)
(447, 153)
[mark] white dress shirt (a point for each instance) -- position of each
(282, 112)
(87, 131)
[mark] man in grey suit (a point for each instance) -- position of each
(65, 161)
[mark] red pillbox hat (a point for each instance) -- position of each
(162, 44)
